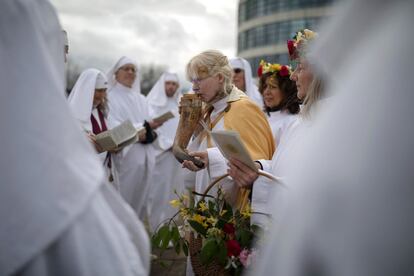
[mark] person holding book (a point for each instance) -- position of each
(164, 97)
(58, 216)
(310, 90)
(243, 79)
(279, 94)
(227, 108)
(88, 103)
(135, 163)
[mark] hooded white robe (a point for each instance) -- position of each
(164, 181)
(251, 88)
(135, 162)
(81, 104)
(57, 216)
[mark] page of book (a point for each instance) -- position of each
(164, 117)
(231, 146)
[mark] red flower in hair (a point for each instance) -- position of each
(228, 228)
(233, 248)
(291, 47)
(260, 71)
(284, 71)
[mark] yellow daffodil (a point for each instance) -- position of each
(175, 203)
(203, 207)
(247, 212)
(199, 218)
(212, 221)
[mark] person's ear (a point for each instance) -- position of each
(220, 78)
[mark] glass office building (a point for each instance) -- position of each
(264, 26)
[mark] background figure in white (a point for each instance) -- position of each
(164, 97)
(57, 216)
(135, 163)
(351, 210)
(88, 104)
(310, 90)
(281, 103)
(243, 79)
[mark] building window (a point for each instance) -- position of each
(274, 33)
(251, 9)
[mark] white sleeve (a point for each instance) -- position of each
(217, 164)
(98, 242)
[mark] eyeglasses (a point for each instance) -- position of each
(126, 69)
(237, 70)
(197, 81)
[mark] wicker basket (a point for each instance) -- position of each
(195, 244)
(199, 269)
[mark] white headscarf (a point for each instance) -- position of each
(49, 171)
(157, 96)
(251, 88)
(81, 97)
(351, 212)
(121, 62)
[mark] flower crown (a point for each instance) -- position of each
(300, 37)
(265, 67)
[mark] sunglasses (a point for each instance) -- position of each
(237, 70)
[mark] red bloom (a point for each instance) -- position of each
(260, 71)
(291, 47)
(233, 248)
(228, 228)
(284, 71)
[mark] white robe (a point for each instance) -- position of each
(164, 182)
(135, 162)
(279, 122)
(351, 210)
(81, 105)
(57, 215)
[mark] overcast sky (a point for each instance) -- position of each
(161, 32)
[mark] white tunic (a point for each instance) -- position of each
(164, 182)
(135, 162)
(279, 122)
(57, 216)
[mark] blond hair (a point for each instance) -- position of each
(313, 95)
(210, 63)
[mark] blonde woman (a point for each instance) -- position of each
(227, 108)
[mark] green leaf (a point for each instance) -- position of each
(177, 247)
(209, 250)
(158, 236)
(185, 248)
(175, 234)
(222, 253)
(165, 235)
(198, 227)
(244, 237)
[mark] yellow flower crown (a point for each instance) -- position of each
(266, 67)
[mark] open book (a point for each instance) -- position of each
(119, 136)
(231, 146)
(164, 117)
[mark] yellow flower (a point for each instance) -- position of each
(309, 34)
(247, 212)
(184, 213)
(203, 207)
(185, 197)
(276, 67)
(212, 221)
(199, 218)
(175, 203)
(223, 212)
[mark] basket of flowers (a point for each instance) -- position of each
(217, 238)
